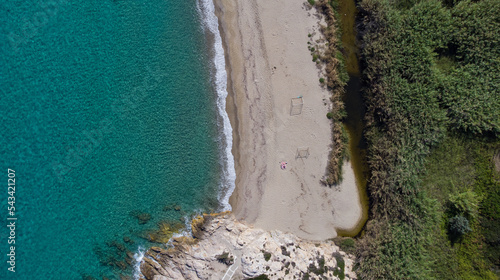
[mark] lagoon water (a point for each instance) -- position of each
(108, 109)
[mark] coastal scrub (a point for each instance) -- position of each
(335, 80)
(431, 87)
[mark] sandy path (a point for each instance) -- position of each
(269, 63)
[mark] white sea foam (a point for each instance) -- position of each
(137, 262)
(187, 232)
(210, 21)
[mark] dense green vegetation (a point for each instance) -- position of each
(460, 177)
(431, 85)
(336, 79)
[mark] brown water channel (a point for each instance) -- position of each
(355, 109)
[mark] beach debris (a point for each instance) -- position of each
(302, 152)
(296, 105)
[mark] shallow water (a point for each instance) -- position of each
(355, 108)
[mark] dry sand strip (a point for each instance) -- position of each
(268, 65)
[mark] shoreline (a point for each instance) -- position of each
(259, 91)
(206, 9)
(221, 244)
(231, 108)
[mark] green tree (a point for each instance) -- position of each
(459, 225)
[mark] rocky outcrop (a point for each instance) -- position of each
(223, 247)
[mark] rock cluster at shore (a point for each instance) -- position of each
(221, 243)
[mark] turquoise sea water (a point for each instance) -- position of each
(108, 109)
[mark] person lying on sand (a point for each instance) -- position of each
(283, 165)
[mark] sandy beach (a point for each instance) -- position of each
(268, 64)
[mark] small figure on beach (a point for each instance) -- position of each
(283, 165)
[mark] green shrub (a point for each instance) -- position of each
(347, 245)
(329, 115)
(260, 277)
(311, 2)
(267, 255)
(322, 80)
(225, 258)
(459, 226)
(466, 203)
(320, 270)
(339, 270)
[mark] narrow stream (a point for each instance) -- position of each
(355, 109)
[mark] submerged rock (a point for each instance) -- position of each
(172, 206)
(128, 240)
(219, 243)
(163, 233)
(141, 217)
